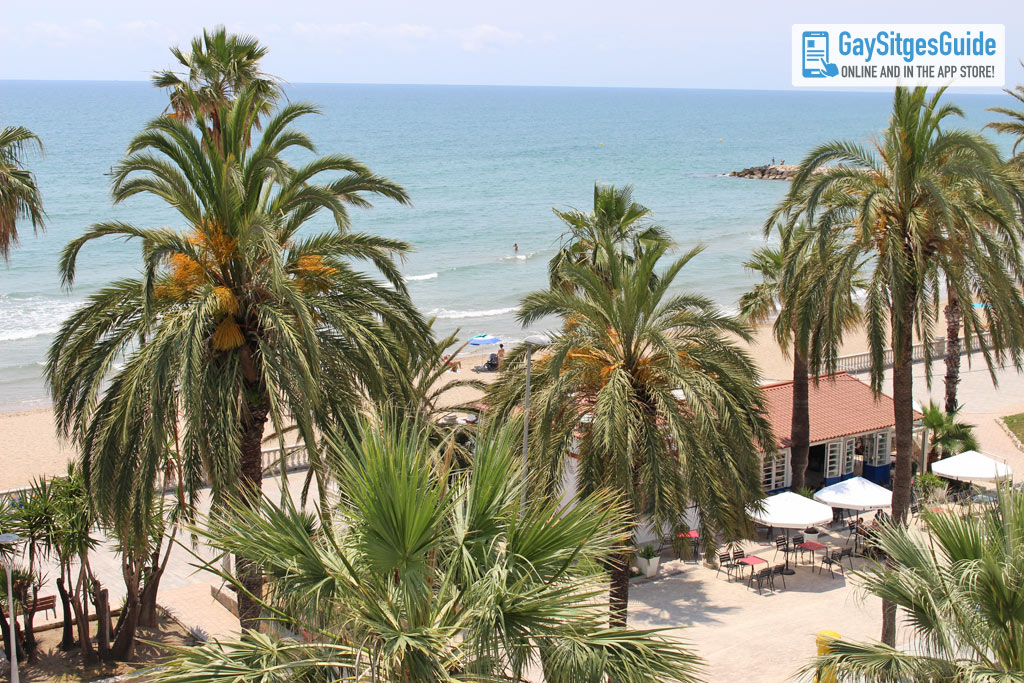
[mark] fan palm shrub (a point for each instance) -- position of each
(959, 580)
(425, 571)
(947, 435)
(647, 387)
(240, 317)
(896, 204)
(20, 198)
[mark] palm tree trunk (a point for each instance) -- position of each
(954, 317)
(800, 428)
(251, 482)
(618, 601)
(903, 415)
(67, 640)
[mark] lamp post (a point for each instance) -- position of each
(534, 340)
(9, 541)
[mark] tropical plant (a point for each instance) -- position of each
(615, 217)
(811, 297)
(426, 573)
(20, 198)
(238, 318)
(217, 69)
(648, 388)
(929, 486)
(947, 435)
(894, 204)
(961, 585)
(1015, 125)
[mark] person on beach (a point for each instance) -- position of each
(453, 365)
(501, 355)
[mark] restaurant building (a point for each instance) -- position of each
(852, 433)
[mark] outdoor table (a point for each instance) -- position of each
(693, 535)
(752, 560)
(813, 546)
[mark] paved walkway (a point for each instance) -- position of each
(981, 402)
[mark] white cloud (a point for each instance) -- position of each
(486, 37)
(473, 39)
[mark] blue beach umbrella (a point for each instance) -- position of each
(484, 340)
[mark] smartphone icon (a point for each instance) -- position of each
(815, 54)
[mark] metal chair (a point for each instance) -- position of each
(781, 546)
(725, 562)
(832, 560)
(780, 571)
(762, 577)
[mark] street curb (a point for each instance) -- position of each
(1009, 433)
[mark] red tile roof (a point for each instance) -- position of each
(840, 405)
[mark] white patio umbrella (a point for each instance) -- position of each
(972, 466)
(790, 510)
(857, 494)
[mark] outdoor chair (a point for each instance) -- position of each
(725, 562)
(852, 528)
(832, 561)
(762, 577)
(848, 554)
(492, 362)
(781, 546)
(780, 571)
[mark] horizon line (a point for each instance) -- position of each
(960, 90)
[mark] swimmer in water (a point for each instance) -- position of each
(515, 247)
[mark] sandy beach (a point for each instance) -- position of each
(29, 447)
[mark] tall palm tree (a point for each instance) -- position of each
(615, 216)
(1015, 125)
(238, 319)
(219, 66)
(427, 572)
(19, 195)
(960, 585)
(894, 204)
(813, 307)
(666, 408)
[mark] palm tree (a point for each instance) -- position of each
(894, 205)
(813, 306)
(947, 435)
(238, 319)
(666, 408)
(19, 194)
(960, 585)
(426, 572)
(616, 217)
(1015, 126)
(215, 71)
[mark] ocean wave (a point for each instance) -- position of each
(519, 257)
(448, 314)
(428, 276)
(33, 316)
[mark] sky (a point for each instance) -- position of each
(632, 43)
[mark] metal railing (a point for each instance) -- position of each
(296, 457)
(861, 362)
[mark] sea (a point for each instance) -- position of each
(484, 167)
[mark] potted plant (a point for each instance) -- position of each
(647, 561)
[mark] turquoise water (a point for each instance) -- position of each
(484, 167)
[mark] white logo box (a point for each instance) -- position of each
(869, 55)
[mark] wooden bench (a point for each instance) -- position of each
(47, 603)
